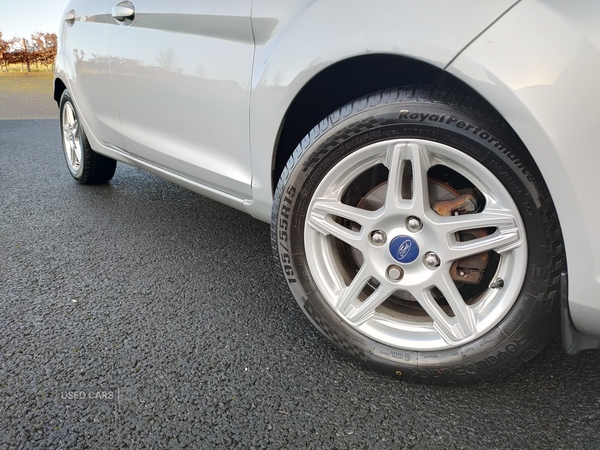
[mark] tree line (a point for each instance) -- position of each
(39, 49)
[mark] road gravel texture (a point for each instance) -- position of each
(162, 309)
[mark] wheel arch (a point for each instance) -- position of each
(59, 88)
(297, 41)
(339, 84)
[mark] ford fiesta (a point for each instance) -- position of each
(429, 168)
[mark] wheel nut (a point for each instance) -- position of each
(414, 224)
(432, 260)
(378, 237)
(395, 273)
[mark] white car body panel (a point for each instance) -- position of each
(183, 97)
(530, 59)
(87, 69)
(535, 66)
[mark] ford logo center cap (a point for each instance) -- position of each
(404, 249)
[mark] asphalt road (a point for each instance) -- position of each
(164, 308)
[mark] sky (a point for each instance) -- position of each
(21, 18)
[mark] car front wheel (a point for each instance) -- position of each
(415, 232)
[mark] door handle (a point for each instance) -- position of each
(123, 12)
(70, 17)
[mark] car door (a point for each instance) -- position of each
(181, 75)
(85, 53)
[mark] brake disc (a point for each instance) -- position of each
(445, 201)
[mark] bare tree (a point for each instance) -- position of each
(168, 60)
(41, 49)
(27, 56)
(6, 48)
(44, 46)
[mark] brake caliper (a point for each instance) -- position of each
(467, 270)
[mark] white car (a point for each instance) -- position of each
(429, 168)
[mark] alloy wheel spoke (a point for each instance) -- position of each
(74, 155)
(70, 115)
(348, 296)
(501, 241)
(367, 308)
(451, 329)
(321, 218)
(464, 315)
(397, 161)
(349, 304)
(507, 235)
(489, 218)
(394, 164)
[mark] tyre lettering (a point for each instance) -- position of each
(283, 224)
(501, 173)
(460, 371)
(471, 369)
(502, 355)
(449, 120)
(284, 215)
(392, 355)
(500, 146)
(291, 191)
(286, 261)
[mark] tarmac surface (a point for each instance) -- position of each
(162, 309)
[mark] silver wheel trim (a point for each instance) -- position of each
(71, 137)
(443, 331)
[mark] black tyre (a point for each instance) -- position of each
(85, 165)
(416, 233)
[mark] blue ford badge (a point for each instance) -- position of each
(404, 249)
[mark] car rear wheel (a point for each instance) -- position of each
(417, 235)
(85, 165)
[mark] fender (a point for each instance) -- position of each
(297, 40)
(533, 66)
